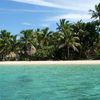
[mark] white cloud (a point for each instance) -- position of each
(82, 5)
(76, 4)
(24, 10)
(40, 2)
(26, 23)
(70, 17)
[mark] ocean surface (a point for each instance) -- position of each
(51, 82)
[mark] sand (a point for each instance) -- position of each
(80, 62)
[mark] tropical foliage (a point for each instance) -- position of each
(96, 12)
(71, 41)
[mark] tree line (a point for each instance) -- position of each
(70, 41)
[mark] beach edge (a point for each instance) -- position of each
(74, 62)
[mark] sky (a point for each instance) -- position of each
(17, 15)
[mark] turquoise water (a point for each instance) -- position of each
(55, 82)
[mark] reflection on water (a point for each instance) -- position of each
(50, 83)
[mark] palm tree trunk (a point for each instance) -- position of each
(68, 52)
(99, 19)
(2, 57)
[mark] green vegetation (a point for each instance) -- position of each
(71, 41)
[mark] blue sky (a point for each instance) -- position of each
(16, 15)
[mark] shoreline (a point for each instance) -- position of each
(77, 62)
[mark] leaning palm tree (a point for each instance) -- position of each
(96, 12)
(68, 37)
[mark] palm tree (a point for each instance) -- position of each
(96, 12)
(68, 37)
(37, 38)
(44, 47)
(88, 35)
(27, 43)
(14, 47)
(45, 36)
(5, 43)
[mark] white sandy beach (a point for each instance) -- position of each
(80, 62)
